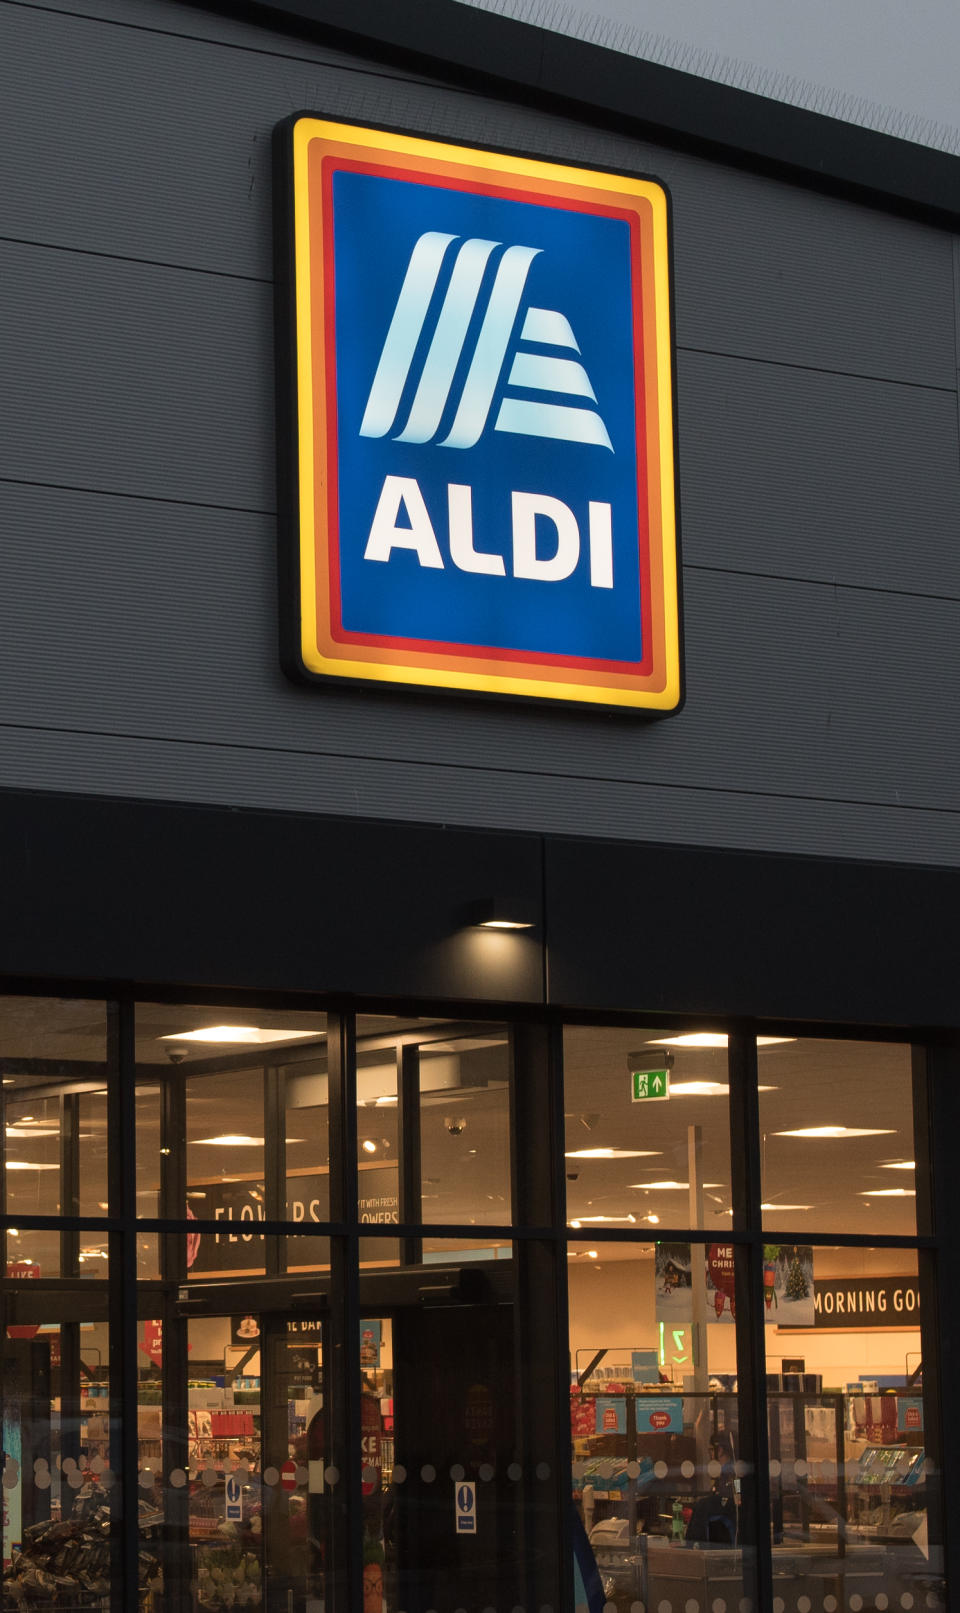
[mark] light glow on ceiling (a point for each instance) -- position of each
(711, 1039)
(29, 1165)
(839, 1131)
(595, 1218)
(785, 1207)
(669, 1187)
(237, 1033)
(705, 1089)
(900, 1165)
(613, 1153)
(231, 1141)
(17, 1130)
(888, 1193)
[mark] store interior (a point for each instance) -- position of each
(242, 1516)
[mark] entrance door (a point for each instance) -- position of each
(456, 1515)
(250, 1512)
(241, 1439)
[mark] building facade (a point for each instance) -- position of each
(468, 1152)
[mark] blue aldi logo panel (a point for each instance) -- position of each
(484, 422)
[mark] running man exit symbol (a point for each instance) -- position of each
(465, 1499)
(650, 1084)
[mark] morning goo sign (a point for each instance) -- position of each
(481, 422)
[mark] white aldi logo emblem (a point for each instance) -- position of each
(481, 432)
(555, 376)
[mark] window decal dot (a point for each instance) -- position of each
(428, 1473)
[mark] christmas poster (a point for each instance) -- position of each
(787, 1283)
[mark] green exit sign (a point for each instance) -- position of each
(650, 1084)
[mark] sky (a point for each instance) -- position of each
(889, 64)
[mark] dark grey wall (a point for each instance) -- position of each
(820, 485)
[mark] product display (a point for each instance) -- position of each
(66, 1565)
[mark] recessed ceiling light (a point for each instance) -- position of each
(705, 1089)
(653, 1219)
(593, 1254)
(613, 1153)
(711, 1039)
(667, 1187)
(839, 1131)
(28, 1165)
(888, 1193)
(698, 1089)
(369, 1146)
(900, 1165)
(236, 1033)
(595, 1218)
(786, 1206)
(229, 1142)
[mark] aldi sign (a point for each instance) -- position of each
(480, 494)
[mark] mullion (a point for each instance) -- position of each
(746, 1173)
(409, 1187)
(122, 1246)
(344, 1355)
(274, 1165)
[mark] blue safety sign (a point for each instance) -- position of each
(465, 1502)
(233, 1499)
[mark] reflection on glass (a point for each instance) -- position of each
(57, 1482)
(647, 1115)
(855, 1503)
(655, 1425)
(53, 1063)
(837, 1135)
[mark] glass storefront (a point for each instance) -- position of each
(311, 1311)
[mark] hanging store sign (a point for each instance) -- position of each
(481, 483)
(238, 1207)
(888, 1302)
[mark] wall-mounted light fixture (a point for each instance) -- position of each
(499, 913)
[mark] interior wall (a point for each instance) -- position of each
(613, 1307)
